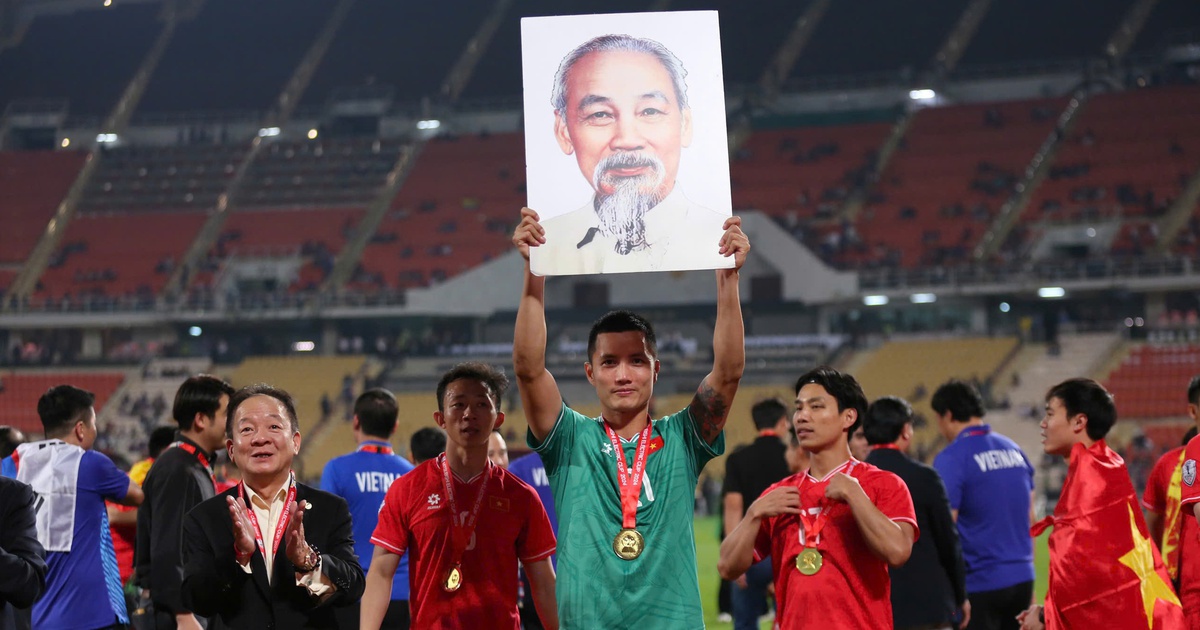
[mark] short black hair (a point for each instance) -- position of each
(1193, 391)
(1087, 397)
(10, 439)
(61, 407)
(766, 413)
(619, 322)
(885, 420)
(426, 444)
(199, 394)
(843, 387)
(261, 389)
(160, 439)
(960, 398)
(377, 412)
(492, 378)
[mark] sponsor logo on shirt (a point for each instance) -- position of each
(999, 459)
(434, 501)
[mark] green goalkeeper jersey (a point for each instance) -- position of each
(597, 589)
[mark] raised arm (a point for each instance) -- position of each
(539, 392)
(710, 407)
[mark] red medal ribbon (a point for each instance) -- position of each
(885, 447)
(375, 448)
(768, 433)
(814, 524)
(461, 535)
(200, 457)
(630, 482)
(281, 526)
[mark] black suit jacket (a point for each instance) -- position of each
(931, 586)
(214, 585)
(22, 563)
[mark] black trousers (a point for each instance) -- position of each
(998, 609)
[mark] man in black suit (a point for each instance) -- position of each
(271, 552)
(22, 563)
(748, 471)
(929, 591)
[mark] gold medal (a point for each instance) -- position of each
(629, 544)
(453, 579)
(809, 561)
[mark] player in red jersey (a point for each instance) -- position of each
(833, 530)
(463, 518)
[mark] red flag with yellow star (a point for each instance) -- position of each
(1105, 572)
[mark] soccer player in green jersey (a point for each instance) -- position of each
(623, 483)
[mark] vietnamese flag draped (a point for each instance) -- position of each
(1105, 572)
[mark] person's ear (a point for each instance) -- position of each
(1079, 423)
(562, 135)
(686, 127)
(849, 417)
(440, 419)
(296, 443)
(499, 420)
(587, 369)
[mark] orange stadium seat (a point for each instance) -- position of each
(18, 399)
(32, 184)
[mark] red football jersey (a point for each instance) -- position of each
(852, 589)
(1155, 499)
(511, 526)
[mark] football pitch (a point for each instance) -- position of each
(708, 546)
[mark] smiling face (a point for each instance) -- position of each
(470, 413)
(623, 122)
(263, 443)
(818, 423)
(623, 371)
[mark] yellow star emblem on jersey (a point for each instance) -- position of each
(1140, 560)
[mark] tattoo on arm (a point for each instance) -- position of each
(709, 409)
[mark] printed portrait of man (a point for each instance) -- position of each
(621, 111)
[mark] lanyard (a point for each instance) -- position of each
(811, 534)
(630, 481)
(461, 536)
(200, 457)
(885, 447)
(281, 526)
(375, 448)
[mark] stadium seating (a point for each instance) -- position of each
(319, 172)
(751, 33)
(1166, 18)
(938, 195)
(387, 43)
(22, 388)
(1046, 30)
(137, 178)
(1128, 157)
(441, 223)
(836, 48)
(118, 255)
(32, 184)
(50, 60)
(1152, 381)
(234, 55)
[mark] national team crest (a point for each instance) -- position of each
(1189, 472)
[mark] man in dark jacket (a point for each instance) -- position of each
(929, 591)
(22, 563)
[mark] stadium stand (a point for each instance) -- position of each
(1129, 156)
(319, 172)
(48, 61)
(1042, 29)
(381, 42)
(22, 388)
(942, 188)
(32, 183)
(745, 58)
(1152, 381)
(101, 258)
(140, 178)
(205, 67)
(1166, 20)
(836, 48)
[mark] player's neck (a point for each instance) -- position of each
(627, 424)
(958, 427)
(825, 461)
(466, 461)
